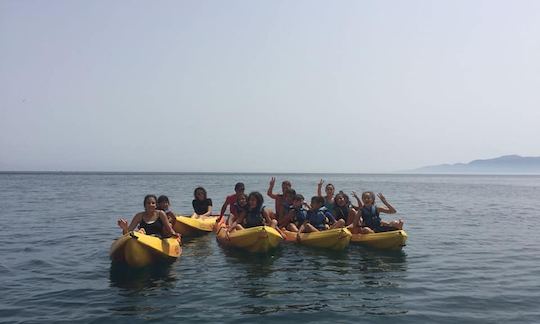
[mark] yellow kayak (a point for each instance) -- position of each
(334, 239)
(384, 240)
(139, 250)
(257, 239)
(188, 226)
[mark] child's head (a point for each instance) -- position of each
(285, 185)
(298, 201)
(150, 202)
(241, 200)
(255, 200)
(239, 188)
(288, 195)
(368, 198)
(317, 202)
(329, 189)
(342, 199)
(163, 202)
(199, 193)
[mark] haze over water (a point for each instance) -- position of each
(472, 255)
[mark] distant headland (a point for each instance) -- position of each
(507, 164)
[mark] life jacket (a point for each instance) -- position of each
(370, 217)
(318, 218)
(254, 218)
(299, 216)
(341, 212)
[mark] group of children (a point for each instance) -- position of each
(292, 213)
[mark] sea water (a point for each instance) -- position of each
(473, 254)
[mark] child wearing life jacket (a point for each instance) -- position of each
(329, 197)
(164, 204)
(150, 222)
(319, 218)
(368, 218)
(255, 215)
(297, 214)
(279, 198)
(343, 209)
(202, 205)
(230, 200)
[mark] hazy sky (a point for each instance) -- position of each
(271, 86)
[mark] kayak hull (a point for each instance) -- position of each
(187, 226)
(393, 240)
(139, 250)
(259, 239)
(333, 239)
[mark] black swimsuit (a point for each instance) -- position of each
(154, 228)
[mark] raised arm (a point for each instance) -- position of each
(388, 209)
(270, 190)
(360, 205)
(122, 223)
(319, 188)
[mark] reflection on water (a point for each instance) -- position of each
(133, 279)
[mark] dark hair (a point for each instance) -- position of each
(259, 197)
(328, 185)
(370, 193)
(239, 186)
(197, 189)
(317, 199)
(148, 197)
(162, 199)
(298, 197)
(344, 195)
(291, 192)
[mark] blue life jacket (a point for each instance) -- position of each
(319, 218)
(370, 217)
(254, 218)
(300, 215)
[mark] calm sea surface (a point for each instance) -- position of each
(473, 255)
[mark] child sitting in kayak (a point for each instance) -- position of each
(150, 222)
(201, 204)
(297, 214)
(255, 215)
(343, 209)
(240, 206)
(279, 198)
(367, 219)
(329, 197)
(319, 218)
(230, 200)
(164, 204)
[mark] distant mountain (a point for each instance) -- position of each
(513, 164)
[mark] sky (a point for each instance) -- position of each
(266, 86)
